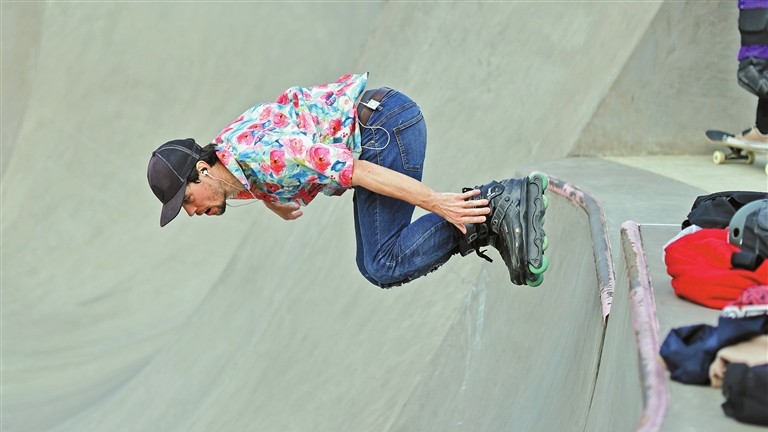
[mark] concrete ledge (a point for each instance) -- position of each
(645, 323)
(600, 239)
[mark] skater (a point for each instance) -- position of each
(752, 73)
(339, 136)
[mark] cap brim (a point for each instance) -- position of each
(172, 208)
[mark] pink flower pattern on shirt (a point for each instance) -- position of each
(300, 145)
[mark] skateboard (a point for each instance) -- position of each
(741, 150)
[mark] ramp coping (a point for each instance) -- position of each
(600, 239)
(646, 327)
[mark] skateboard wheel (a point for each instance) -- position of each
(539, 270)
(543, 179)
(545, 243)
(750, 157)
(537, 281)
(718, 157)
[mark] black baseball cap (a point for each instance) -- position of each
(168, 171)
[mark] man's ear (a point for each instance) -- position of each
(202, 168)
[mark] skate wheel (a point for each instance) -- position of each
(541, 269)
(543, 179)
(718, 157)
(545, 243)
(536, 282)
(545, 201)
(750, 157)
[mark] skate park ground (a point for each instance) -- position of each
(250, 323)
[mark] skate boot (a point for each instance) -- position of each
(515, 227)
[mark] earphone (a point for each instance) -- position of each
(204, 172)
(372, 128)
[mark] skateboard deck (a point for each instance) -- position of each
(738, 149)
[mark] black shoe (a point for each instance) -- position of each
(515, 227)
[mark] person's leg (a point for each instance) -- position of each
(761, 120)
(391, 249)
(359, 256)
(759, 132)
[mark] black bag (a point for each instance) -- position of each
(716, 210)
(746, 393)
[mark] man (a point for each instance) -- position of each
(334, 137)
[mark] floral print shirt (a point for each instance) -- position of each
(302, 144)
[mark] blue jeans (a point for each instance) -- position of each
(392, 250)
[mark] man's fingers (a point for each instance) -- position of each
(467, 202)
(479, 207)
(480, 210)
(475, 203)
(474, 219)
(469, 194)
(292, 215)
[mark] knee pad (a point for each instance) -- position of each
(753, 76)
(753, 26)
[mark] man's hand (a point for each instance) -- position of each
(459, 210)
(288, 211)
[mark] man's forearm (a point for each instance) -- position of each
(458, 209)
(385, 181)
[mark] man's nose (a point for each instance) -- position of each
(189, 209)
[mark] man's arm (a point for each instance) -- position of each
(288, 211)
(453, 207)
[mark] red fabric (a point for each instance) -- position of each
(700, 266)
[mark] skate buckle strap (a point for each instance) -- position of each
(499, 212)
(473, 236)
(481, 254)
(465, 249)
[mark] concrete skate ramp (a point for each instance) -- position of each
(250, 323)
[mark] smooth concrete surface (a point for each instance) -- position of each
(247, 322)
(699, 171)
(489, 376)
(670, 90)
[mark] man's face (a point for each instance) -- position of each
(204, 198)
